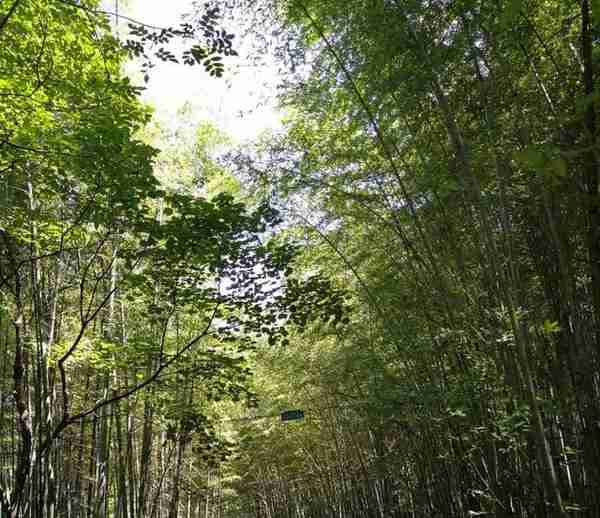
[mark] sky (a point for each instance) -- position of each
(236, 103)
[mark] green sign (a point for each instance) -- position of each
(292, 415)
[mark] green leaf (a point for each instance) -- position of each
(559, 166)
(511, 12)
(550, 327)
(531, 157)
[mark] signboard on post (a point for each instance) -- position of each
(292, 415)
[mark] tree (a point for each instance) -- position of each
(112, 285)
(460, 215)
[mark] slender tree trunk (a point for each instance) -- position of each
(22, 405)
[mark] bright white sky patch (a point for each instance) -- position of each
(240, 103)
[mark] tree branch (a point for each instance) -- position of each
(66, 421)
(109, 13)
(11, 11)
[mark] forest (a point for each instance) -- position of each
(387, 308)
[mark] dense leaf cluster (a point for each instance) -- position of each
(442, 159)
(128, 300)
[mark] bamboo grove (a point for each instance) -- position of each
(413, 260)
(441, 157)
(128, 304)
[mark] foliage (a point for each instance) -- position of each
(439, 161)
(128, 295)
